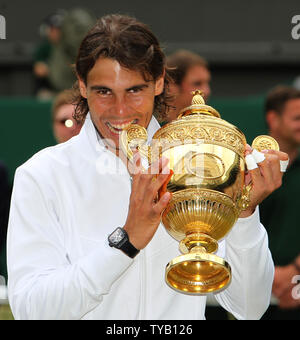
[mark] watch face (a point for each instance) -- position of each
(117, 236)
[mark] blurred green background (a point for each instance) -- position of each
(25, 129)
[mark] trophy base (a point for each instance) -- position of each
(198, 273)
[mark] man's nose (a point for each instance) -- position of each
(121, 106)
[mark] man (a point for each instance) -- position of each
(84, 241)
(189, 72)
(280, 212)
(65, 31)
(64, 125)
(50, 30)
(76, 23)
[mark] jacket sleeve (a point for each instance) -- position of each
(246, 250)
(42, 283)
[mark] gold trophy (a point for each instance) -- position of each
(207, 162)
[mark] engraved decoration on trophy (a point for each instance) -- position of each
(207, 162)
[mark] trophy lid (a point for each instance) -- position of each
(199, 107)
(201, 122)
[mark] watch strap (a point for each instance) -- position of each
(129, 249)
(124, 244)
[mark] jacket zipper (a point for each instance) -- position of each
(143, 279)
(143, 271)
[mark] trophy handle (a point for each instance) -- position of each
(262, 142)
(245, 199)
(135, 138)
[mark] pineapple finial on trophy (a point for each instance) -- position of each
(198, 98)
(198, 106)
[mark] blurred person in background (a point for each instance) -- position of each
(50, 31)
(280, 212)
(65, 31)
(75, 25)
(5, 193)
(64, 125)
(189, 72)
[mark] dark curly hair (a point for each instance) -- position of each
(133, 45)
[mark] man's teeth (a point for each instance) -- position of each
(117, 128)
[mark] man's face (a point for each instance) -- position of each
(288, 123)
(118, 97)
(197, 78)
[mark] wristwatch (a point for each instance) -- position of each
(119, 239)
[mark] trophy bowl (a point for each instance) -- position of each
(207, 163)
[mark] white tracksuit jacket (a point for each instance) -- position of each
(65, 203)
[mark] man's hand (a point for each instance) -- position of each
(145, 207)
(41, 69)
(265, 178)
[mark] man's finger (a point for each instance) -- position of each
(281, 155)
(283, 158)
(258, 156)
(251, 163)
(162, 203)
(161, 178)
(271, 173)
(158, 166)
(157, 182)
(254, 170)
(284, 165)
(137, 169)
(137, 161)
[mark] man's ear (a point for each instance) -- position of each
(273, 120)
(82, 88)
(159, 85)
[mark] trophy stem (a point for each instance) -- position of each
(198, 249)
(194, 242)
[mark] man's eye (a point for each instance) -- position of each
(135, 90)
(103, 92)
